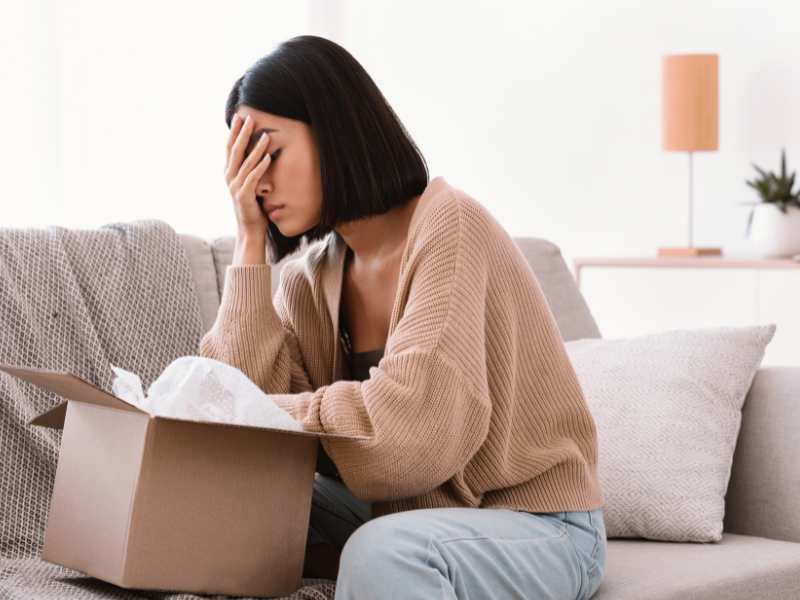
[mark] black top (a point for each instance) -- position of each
(358, 363)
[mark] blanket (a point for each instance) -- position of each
(79, 300)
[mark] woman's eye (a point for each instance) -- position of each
(275, 154)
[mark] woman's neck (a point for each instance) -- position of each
(379, 239)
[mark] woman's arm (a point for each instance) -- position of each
(252, 334)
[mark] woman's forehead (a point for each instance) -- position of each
(264, 120)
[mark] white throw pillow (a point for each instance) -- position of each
(668, 410)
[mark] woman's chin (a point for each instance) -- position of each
(288, 231)
(292, 230)
(285, 229)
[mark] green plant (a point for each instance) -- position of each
(775, 189)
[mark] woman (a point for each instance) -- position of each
(412, 320)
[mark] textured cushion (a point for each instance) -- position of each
(668, 410)
(739, 567)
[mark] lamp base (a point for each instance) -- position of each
(687, 251)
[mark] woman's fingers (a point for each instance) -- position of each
(254, 175)
(235, 159)
(242, 176)
(236, 125)
(255, 155)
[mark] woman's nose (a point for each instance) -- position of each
(263, 186)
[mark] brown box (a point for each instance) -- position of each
(170, 504)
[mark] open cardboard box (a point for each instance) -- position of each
(171, 504)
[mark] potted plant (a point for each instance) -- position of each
(773, 224)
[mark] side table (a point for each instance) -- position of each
(630, 296)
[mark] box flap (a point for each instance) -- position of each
(53, 418)
(69, 386)
(263, 428)
(73, 387)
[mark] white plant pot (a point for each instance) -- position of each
(775, 234)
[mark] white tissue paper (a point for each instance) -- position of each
(203, 389)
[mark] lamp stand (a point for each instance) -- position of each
(690, 250)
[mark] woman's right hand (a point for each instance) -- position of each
(242, 177)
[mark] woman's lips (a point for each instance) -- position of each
(272, 211)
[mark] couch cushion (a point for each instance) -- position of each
(575, 320)
(737, 567)
(201, 260)
(765, 472)
(668, 409)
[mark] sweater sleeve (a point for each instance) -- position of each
(425, 408)
(255, 336)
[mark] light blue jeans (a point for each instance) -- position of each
(457, 553)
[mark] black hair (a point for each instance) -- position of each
(368, 161)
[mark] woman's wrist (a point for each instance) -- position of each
(250, 249)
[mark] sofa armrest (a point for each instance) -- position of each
(763, 491)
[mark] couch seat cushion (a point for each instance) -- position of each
(737, 567)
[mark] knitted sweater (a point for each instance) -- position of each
(473, 404)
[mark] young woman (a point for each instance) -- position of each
(412, 320)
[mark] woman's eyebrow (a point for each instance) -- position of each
(256, 136)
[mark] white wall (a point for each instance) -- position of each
(546, 112)
(115, 111)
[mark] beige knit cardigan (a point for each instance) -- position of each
(475, 402)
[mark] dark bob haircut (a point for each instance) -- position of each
(368, 161)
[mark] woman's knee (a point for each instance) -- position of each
(379, 552)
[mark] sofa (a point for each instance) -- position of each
(759, 554)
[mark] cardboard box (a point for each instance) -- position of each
(170, 504)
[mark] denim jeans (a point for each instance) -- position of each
(457, 553)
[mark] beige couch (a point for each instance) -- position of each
(759, 555)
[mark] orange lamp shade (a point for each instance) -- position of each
(690, 102)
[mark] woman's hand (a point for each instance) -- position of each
(242, 177)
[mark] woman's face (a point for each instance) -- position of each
(292, 179)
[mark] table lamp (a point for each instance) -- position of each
(689, 119)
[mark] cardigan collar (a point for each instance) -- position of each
(333, 269)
